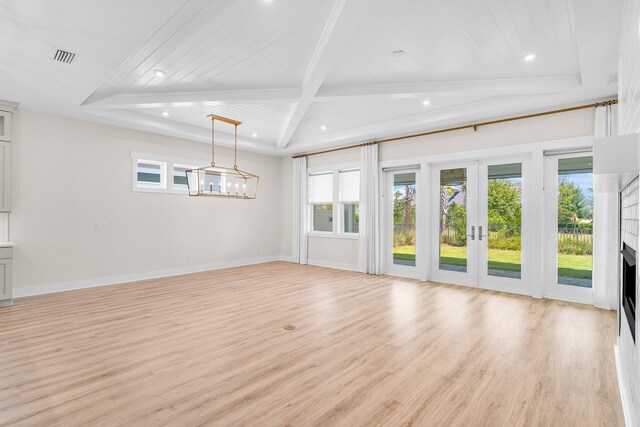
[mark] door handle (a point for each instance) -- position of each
(480, 235)
(473, 233)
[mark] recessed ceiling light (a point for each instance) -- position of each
(530, 57)
(165, 113)
(255, 135)
(158, 73)
(426, 102)
(323, 127)
(397, 53)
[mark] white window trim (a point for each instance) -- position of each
(166, 171)
(337, 204)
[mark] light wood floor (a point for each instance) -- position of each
(211, 349)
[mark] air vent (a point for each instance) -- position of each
(63, 56)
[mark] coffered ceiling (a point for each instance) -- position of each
(305, 74)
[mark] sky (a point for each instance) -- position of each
(582, 180)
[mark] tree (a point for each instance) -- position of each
(445, 193)
(571, 202)
(404, 210)
(504, 207)
(408, 204)
(398, 207)
(457, 221)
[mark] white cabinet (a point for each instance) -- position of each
(6, 116)
(5, 126)
(5, 176)
(6, 250)
(6, 276)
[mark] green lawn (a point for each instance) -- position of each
(405, 253)
(576, 266)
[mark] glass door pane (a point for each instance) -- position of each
(453, 220)
(504, 220)
(575, 221)
(404, 219)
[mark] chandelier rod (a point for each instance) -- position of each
(235, 148)
(213, 149)
(235, 123)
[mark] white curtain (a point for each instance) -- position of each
(605, 224)
(369, 210)
(299, 210)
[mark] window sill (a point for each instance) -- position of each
(353, 236)
(159, 191)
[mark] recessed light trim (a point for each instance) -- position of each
(530, 57)
(165, 113)
(254, 135)
(426, 102)
(323, 127)
(159, 73)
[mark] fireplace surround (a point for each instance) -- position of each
(629, 287)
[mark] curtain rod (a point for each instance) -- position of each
(472, 126)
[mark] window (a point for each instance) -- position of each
(321, 198)
(335, 194)
(158, 174)
(349, 200)
(180, 176)
(150, 174)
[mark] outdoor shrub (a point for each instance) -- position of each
(509, 243)
(574, 247)
(404, 238)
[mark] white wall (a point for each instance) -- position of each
(629, 71)
(330, 251)
(68, 174)
(629, 122)
(334, 252)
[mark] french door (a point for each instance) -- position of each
(480, 222)
(569, 226)
(405, 245)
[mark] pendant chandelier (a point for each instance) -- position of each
(220, 181)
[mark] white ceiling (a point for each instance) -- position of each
(289, 68)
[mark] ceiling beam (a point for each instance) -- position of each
(465, 113)
(341, 25)
(512, 86)
(145, 123)
(188, 99)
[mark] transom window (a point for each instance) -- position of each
(159, 174)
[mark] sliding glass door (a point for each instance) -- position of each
(480, 215)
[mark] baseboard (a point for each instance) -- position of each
(625, 397)
(113, 280)
(332, 264)
(286, 258)
(565, 299)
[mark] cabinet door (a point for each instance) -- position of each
(5, 126)
(6, 279)
(5, 176)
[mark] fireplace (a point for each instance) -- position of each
(629, 287)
